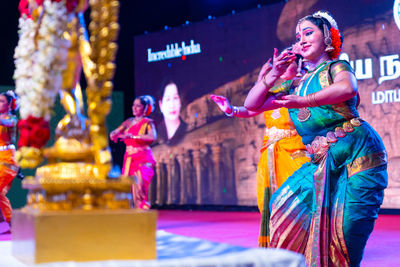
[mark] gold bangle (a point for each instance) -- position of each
(309, 102)
(312, 102)
(235, 111)
(314, 99)
(265, 83)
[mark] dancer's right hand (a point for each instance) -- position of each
(264, 69)
(114, 137)
(281, 62)
(222, 103)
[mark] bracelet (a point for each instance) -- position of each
(312, 102)
(265, 83)
(231, 113)
(235, 110)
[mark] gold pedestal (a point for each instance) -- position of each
(79, 235)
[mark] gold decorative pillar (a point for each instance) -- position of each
(79, 235)
(74, 211)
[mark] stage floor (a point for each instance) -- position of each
(241, 229)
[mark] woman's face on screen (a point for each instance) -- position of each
(170, 105)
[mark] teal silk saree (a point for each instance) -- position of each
(326, 210)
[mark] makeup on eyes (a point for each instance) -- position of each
(306, 31)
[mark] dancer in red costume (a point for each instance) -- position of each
(138, 133)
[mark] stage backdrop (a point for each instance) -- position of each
(212, 158)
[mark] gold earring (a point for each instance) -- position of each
(329, 47)
(328, 39)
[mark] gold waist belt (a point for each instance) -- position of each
(275, 134)
(320, 145)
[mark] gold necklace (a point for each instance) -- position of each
(304, 113)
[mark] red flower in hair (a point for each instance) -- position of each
(14, 104)
(336, 43)
(148, 110)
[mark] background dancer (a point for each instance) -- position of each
(138, 133)
(282, 151)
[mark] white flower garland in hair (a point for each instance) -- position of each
(38, 69)
(151, 101)
(328, 17)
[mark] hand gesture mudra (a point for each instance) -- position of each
(291, 101)
(114, 136)
(264, 69)
(282, 61)
(222, 103)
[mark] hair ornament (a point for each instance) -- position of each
(150, 104)
(328, 32)
(327, 16)
(332, 37)
(14, 103)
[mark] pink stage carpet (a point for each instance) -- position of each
(241, 229)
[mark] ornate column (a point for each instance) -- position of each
(215, 183)
(170, 178)
(189, 178)
(197, 167)
(160, 181)
(230, 164)
(182, 186)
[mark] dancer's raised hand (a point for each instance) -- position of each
(222, 102)
(264, 69)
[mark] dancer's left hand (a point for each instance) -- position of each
(291, 101)
(222, 102)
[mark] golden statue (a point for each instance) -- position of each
(75, 176)
(74, 211)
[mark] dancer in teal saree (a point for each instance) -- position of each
(326, 210)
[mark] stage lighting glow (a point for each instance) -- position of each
(396, 12)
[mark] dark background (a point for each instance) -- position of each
(140, 17)
(136, 18)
